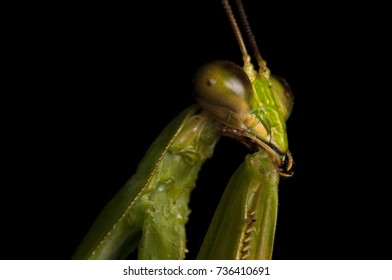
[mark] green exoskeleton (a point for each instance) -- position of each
(150, 212)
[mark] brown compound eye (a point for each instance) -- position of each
(223, 85)
(283, 95)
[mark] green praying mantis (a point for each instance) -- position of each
(150, 211)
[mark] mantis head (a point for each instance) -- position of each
(256, 110)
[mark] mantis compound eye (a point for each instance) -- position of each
(283, 95)
(223, 89)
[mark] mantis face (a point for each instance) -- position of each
(256, 109)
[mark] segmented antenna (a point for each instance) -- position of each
(248, 67)
(249, 34)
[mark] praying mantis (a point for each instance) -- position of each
(150, 212)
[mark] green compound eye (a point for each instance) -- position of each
(223, 89)
(283, 95)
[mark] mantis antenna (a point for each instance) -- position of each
(251, 39)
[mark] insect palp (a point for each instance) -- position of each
(287, 164)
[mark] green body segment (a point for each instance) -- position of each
(243, 226)
(151, 210)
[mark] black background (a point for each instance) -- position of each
(91, 86)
